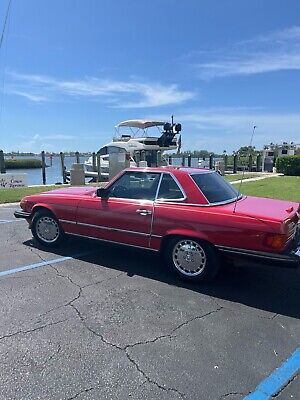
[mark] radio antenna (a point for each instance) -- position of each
(239, 191)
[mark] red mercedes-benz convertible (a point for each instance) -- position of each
(192, 216)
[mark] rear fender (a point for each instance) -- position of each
(185, 233)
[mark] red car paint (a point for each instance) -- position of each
(246, 227)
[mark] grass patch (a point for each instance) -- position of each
(16, 194)
(281, 187)
(23, 163)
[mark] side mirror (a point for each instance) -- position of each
(102, 192)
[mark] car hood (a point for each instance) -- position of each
(73, 191)
(263, 208)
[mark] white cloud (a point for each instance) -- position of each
(122, 94)
(274, 51)
(30, 96)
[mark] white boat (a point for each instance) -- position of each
(137, 142)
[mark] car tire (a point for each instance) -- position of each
(46, 229)
(192, 259)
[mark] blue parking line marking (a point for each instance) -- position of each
(278, 379)
(40, 264)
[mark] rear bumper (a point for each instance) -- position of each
(290, 259)
(22, 214)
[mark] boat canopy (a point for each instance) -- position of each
(140, 123)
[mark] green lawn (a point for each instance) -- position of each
(281, 187)
(13, 195)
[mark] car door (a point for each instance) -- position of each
(125, 213)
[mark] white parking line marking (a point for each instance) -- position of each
(42, 264)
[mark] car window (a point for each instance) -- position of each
(135, 185)
(214, 187)
(169, 189)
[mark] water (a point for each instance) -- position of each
(53, 173)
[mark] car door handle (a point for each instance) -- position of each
(142, 211)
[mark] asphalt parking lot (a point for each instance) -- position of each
(98, 321)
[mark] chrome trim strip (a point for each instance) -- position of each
(199, 205)
(111, 241)
(158, 186)
(258, 254)
(104, 227)
(65, 221)
(153, 209)
(113, 229)
(156, 236)
(180, 187)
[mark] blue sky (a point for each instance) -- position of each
(71, 70)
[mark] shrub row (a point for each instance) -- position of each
(289, 165)
(23, 163)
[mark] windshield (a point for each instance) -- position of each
(214, 187)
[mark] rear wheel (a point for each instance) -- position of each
(46, 229)
(192, 259)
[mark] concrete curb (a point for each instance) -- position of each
(9, 204)
(259, 178)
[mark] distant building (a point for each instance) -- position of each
(272, 151)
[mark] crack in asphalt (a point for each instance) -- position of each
(80, 289)
(80, 393)
(232, 394)
(126, 348)
(32, 330)
(53, 355)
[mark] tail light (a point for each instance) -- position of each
(275, 241)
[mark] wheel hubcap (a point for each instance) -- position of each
(47, 229)
(189, 257)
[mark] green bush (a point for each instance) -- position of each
(18, 163)
(289, 165)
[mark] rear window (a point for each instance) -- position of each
(214, 187)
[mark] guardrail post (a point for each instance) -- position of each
(170, 160)
(235, 162)
(43, 168)
(2, 163)
(63, 168)
(77, 157)
(189, 160)
(98, 167)
(183, 161)
(211, 161)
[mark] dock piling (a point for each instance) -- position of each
(43, 168)
(2, 163)
(98, 167)
(63, 168)
(77, 157)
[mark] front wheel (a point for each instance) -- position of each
(192, 259)
(46, 229)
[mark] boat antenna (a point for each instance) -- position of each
(244, 166)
